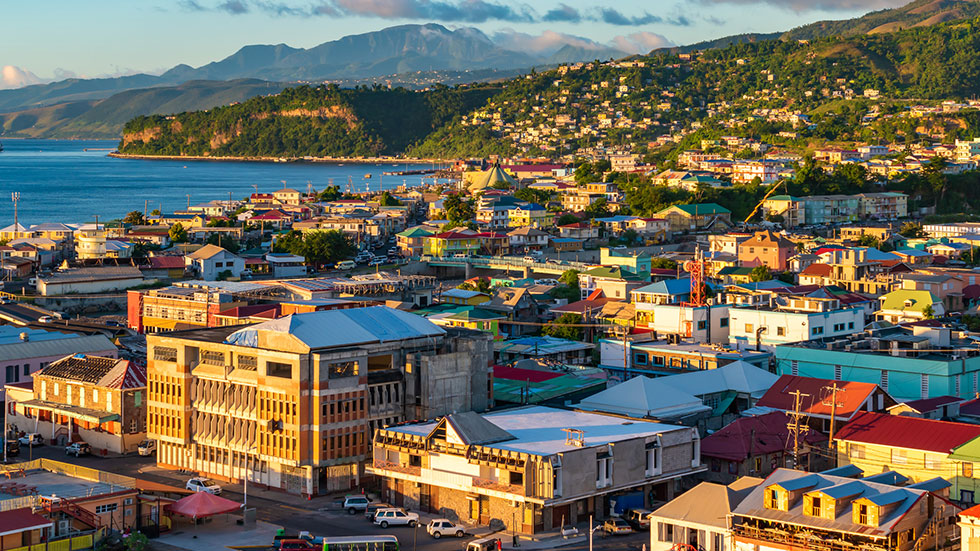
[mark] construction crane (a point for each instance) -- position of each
(766, 196)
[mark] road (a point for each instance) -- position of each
(320, 516)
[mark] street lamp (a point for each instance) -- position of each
(592, 530)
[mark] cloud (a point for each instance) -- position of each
(14, 77)
(549, 42)
(815, 5)
(449, 11)
(641, 42)
(563, 13)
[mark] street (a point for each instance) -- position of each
(320, 516)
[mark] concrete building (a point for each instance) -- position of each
(24, 351)
(766, 248)
(210, 261)
(702, 324)
(699, 515)
(92, 280)
(188, 304)
(788, 319)
(286, 265)
(534, 468)
(99, 400)
(292, 403)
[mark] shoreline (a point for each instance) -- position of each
(311, 160)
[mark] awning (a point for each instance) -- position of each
(203, 504)
(75, 412)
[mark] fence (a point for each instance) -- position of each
(23, 469)
(74, 543)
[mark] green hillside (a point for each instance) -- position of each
(305, 121)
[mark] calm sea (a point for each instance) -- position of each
(74, 181)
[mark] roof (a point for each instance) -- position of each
(895, 300)
(487, 178)
(850, 399)
(749, 436)
(817, 269)
(972, 512)
(100, 273)
(538, 430)
(473, 429)
(47, 344)
(462, 293)
(703, 208)
(931, 404)
(21, 520)
(97, 370)
(166, 262)
(203, 504)
(521, 374)
(417, 231)
(707, 503)
(667, 287)
(908, 432)
(768, 238)
(206, 252)
(335, 328)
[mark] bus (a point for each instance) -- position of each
(360, 543)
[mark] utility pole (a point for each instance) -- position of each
(15, 197)
(831, 400)
(188, 201)
(794, 426)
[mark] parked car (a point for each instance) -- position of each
(488, 543)
(45, 319)
(395, 517)
(201, 484)
(616, 526)
(373, 508)
(78, 449)
(377, 261)
(444, 527)
(112, 323)
(147, 447)
(32, 439)
(639, 519)
(346, 265)
(355, 503)
(13, 447)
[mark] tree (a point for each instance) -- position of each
(566, 219)
(597, 209)
(387, 200)
(224, 241)
(570, 278)
(177, 233)
(329, 193)
(663, 264)
(760, 273)
(135, 218)
(458, 211)
(326, 247)
(481, 285)
(531, 195)
(155, 212)
(912, 230)
(561, 328)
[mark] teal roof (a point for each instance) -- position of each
(735, 270)
(704, 208)
(417, 231)
(782, 198)
(475, 314)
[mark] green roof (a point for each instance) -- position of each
(476, 314)
(782, 198)
(704, 208)
(508, 390)
(920, 300)
(417, 231)
(735, 270)
(615, 272)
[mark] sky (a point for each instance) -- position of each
(55, 39)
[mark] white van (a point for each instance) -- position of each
(346, 265)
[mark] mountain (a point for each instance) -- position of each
(105, 118)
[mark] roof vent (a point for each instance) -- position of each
(25, 337)
(574, 437)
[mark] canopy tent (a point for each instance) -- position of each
(202, 504)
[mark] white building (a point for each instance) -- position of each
(699, 516)
(286, 265)
(702, 324)
(211, 260)
(792, 319)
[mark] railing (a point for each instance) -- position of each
(72, 509)
(74, 543)
(395, 467)
(806, 539)
(505, 261)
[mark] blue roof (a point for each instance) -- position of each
(615, 218)
(530, 206)
(335, 328)
(667, 287)
(875, 254)
(10, 334)
(913, 252)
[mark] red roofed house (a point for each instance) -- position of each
(579, 230)
(164, 267)
(273, 218)
(757, 446)
(766, 248)
(852, 398)
(816, 274)
(87, 398)
(970, 529)
(22, 528)
(917, 448)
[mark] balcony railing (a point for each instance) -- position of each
(806, 539)
(395, 467)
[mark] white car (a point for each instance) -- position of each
(200, 484)
(31, 439)
(444, 527)
(354, 503)
(395, 517)
(147, 447)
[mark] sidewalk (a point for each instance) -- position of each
(220, 533)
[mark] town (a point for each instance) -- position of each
(502, 355)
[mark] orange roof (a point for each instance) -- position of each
(822, 270)
(849, 401)
(973, 512)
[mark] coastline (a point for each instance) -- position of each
(251, 159)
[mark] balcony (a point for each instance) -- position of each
(396, 468)
(807, 539)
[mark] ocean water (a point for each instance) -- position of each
(75, 181)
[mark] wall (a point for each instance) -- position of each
(798, 326)
(91, 287)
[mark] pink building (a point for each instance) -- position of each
(24, 351)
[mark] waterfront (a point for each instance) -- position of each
(73, 181)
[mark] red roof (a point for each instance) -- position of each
(762, 434)
(849, 400)
(519, 374)
(453, 235)
(930, 404)
(532, 168)
(166, 262)
(817, 269)
(272, 215)
(581, 306)
(908, 432)
(973, 512)
(577, 225)
(21, 520)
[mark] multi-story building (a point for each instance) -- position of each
(767, 172)
(790, 208)
(292, 403)
(887, 205)
(908, 363)
(788, 319)
(535, 468)
(831, 209)
(187, 305)
(25, 351)
(967, 149)
(766, 248)
(410, 241)
(533, 215)
(699, 515)
(449, 243)
(96, 399)
(671, 355)
(701, 324)
(696, 217)
(826, 512)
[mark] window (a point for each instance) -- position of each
(723, 322)
(27, 369)
(884, 380)
(732, 467)
(816, 331)
(341, 369)
(780, 331)
(652, 458)
(702, 325)
(277, 369)
(128, 501)
(640, 358)
(603, 470)
(856, 451)
(900, 457)
(748, 328)
(758, 464)
(794, 367)
(967, 470)
(13, 375)
(815, 506)
(933, 461)
(248, 363)
(107, 508)
(212, 357)
(715, 466)
(137, 397)
(164, 354)
(771, 499)
(850, 325)
(665, 532)
(966, 496)
(924, 386)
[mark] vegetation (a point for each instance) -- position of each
(320, 248)
(135, 218)
(564, 327)
(177, 233)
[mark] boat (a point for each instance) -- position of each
(367, 176)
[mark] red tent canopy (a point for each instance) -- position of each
(202, 504)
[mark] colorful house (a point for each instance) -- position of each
(463, 297)
(533, 215)
(411, 241)
(905, 305)
(766, 248)
(696, 217)
(451, 243)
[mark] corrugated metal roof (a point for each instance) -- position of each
(907, 432)
(334, 328)
(71, 344)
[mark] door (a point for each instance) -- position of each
(425, 502)
(475, 509)
(560, 516)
